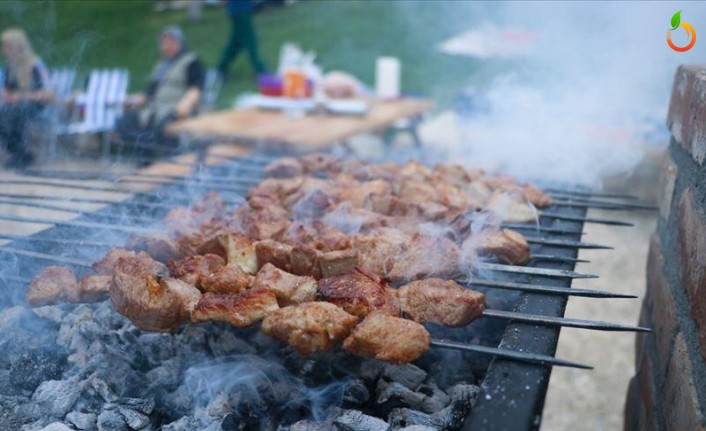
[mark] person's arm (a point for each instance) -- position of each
(37, 92)
(191, 100)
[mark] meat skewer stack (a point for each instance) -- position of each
(364, 256)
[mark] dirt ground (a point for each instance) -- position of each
(594, 400)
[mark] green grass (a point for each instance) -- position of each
(347, 35)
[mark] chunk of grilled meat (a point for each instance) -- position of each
(507, 245)
(317, 162)
(92, 288)
(194, 269)
(511, 207)
(159, 246)
(227, 279)
(377, 251)
(289, 288)
(236, 249)
(316, 234)
(359, 294)
(151, 305)
(105, 265)
(241, 310)
(440, 301)
(260, 224)
(51, 286)
(309, 327)
(284, 167)
(425, 257)
(388, 338)
(302, 259)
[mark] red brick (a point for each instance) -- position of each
(691, 246)
(664, 313)
(682, 411)
(668, 177)
(647, 405)
(687, 110)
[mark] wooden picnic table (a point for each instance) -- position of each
(308, 133)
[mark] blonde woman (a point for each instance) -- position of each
(23, 95)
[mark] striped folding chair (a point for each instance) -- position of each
(61, 81)
(100, 106)
(211, 90)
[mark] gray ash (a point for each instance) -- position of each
(86, 367)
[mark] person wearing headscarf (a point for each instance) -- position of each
(173, 92)
(23, 95)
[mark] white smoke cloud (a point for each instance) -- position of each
(582, 104)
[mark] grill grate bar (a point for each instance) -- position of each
(45, 256)
(532, 358)
(561, 321)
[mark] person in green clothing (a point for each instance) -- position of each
(242, 36)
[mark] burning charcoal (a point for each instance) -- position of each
(103, 390)
(186, 423)
(12, 416)
(354, 420)
(370, 371)
(142, 405)
(111, 420)
(308, 425)
(445, 375)
(418, 428)
(55, 313)
(403, 417)
(57, 396)
(134, 419)
(21, 329)
(355, 394)
(156, 347)
(409, 375)
(463, 399)
(226, 343)
(234, 423)
(56, 426)
(394, 395)
(6, 388)
(312, 370)
(166, 374)
(263, 343)
(82, 421)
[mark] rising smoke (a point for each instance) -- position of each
(590, 96)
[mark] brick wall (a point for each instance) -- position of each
(668, 391)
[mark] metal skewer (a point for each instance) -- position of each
(627, 205)
(561, 321)
(552, 258)
(566, 244)
(45, 256)
(532, 358)
(558, 273)
(588, 193)
(538, 229)
(78, 212)
(76, 223)
(86, 200)
(550, 290)
(584, 219)
(60, 241)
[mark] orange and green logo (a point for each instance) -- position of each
(676, 23)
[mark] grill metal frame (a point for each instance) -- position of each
(514, 392)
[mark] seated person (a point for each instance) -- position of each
(23, 96)
(174, 92)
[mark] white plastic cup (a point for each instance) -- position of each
(387, 77)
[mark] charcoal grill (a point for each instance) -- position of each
(513, 391)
